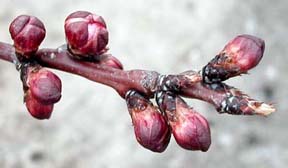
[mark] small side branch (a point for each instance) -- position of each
(227, 99)
(61, 59)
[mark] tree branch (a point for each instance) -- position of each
(85, 54)
(61, 59)
(188, 84)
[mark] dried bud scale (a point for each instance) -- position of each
(86, 34)
(150, 127)
(238, 103)
(175, 83)
(27, 33)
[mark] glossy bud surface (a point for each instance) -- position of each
(150, 128)
(245, 51)
(190, 129)
(86, 33)
(27, 33)
(45, 86)
(36, 109)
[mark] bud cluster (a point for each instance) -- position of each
(85, 54)
(42, 88)
(87, 39)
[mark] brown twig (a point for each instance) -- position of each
(188, 84)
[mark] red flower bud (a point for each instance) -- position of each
(240, 55)
(86, 33)
(190, 129)
(44, 85)
(37, 109)
(245, 51)
(27, 32)
(111, 61)
(150, 127)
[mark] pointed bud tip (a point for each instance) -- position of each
(260, 42)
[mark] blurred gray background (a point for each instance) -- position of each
(90, 127)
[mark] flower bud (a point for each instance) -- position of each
(240, 55)
(86, 33)
(150, 127)
(245, 51)
(44, 85)
(27, 33)
(190, 129)
(111, 61)
(37, 109)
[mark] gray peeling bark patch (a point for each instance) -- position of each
(149, 81)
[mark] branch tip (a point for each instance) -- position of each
(261, 108)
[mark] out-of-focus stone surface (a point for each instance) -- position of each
(90, 127)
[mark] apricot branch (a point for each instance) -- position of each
(86, 54)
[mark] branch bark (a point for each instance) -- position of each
(61, 59)
(188, 84)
